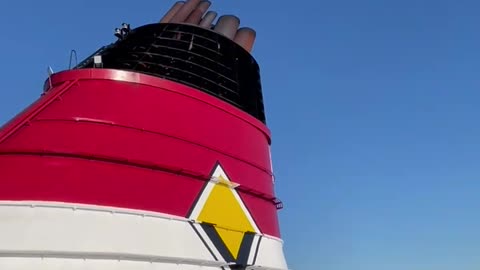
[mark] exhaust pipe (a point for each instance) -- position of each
(198, 13)
(185, 11)
(227, 25)
(171, 13)
(245, 37)
(208, 19)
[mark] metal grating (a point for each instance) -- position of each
(191, 55)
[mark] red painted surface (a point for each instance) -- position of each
(78, 180)
(124, 139)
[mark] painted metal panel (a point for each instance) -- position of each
(138, 141)
(40, 235)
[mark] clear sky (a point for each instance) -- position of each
(373, 105)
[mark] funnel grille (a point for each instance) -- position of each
(194, 56)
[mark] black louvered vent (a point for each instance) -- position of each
(191, 55)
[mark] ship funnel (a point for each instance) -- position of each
(152, 153)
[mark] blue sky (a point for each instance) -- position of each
(373, 107)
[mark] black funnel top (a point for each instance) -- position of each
(191, 55)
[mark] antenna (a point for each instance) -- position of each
(50, 73)
(73, 54)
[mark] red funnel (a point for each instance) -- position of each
(164, 140)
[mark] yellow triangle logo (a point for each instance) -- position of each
(232, 239)
(224, 208)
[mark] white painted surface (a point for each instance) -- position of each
(87, 237)
(73, 264)
(270, 254)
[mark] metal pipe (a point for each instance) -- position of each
(185, 11)
(245, 37)
(171, 13)
(208, 19)
(196, 16)
(227, 25)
